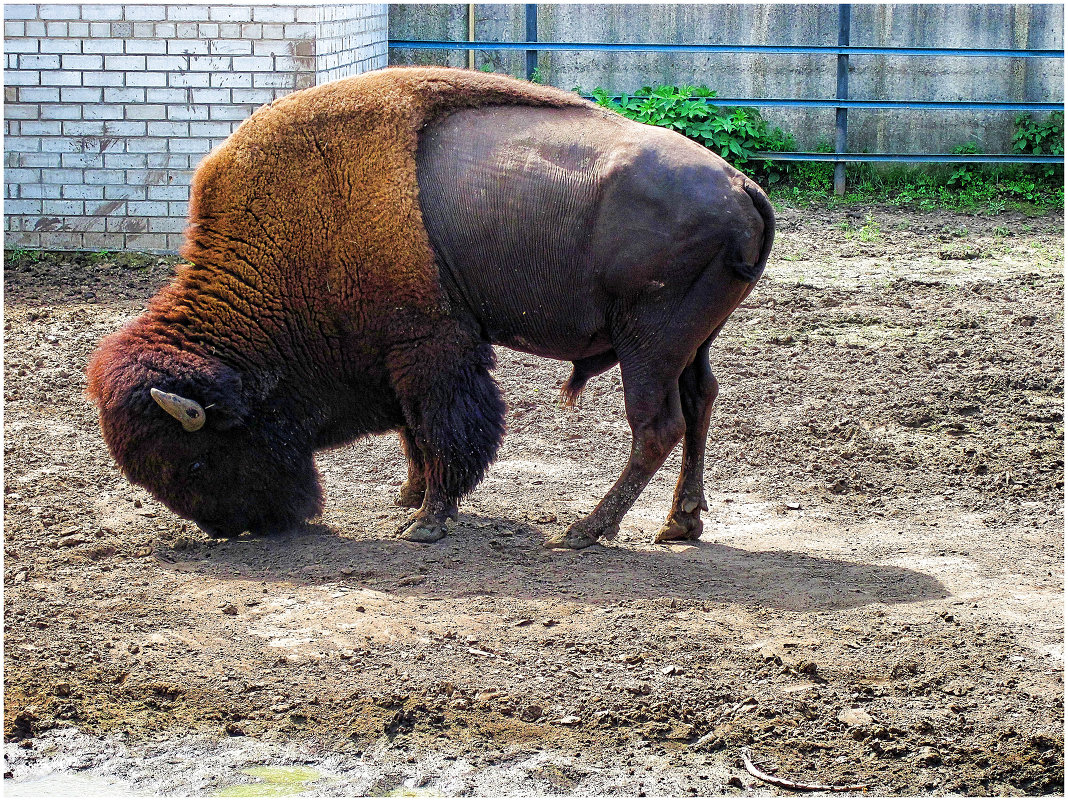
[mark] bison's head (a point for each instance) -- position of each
(213, 450)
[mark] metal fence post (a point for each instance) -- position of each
(532, 36)
(842, 93)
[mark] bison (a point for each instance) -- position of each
(356, 249)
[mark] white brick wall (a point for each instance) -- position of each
(109, 108)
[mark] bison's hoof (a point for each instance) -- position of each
(424, 531)
(579, 535)
(409, 496)
(680, 527)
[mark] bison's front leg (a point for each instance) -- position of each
(413, 491)
(456, 422)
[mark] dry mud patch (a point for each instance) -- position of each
(876, 599)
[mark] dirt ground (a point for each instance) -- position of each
(876, 600)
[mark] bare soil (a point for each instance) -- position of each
(877, 597)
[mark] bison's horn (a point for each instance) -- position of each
(187, 412)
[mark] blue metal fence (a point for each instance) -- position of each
(842, 102)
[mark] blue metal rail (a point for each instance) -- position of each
(972, 52)
(841, 103)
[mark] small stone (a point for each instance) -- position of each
(569, 720)
(854, 716)
(71, 540)
(669, 670)
(62, 690)
(228, 609)
(530, 713)
(929, 756)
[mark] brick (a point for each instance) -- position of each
(210, 63)
(186, 112)
(167, 63)
(169, 192)
(22, 176)
(22, 206)
(103, 177)
(62, 240)
(61, 45)
(42, 128)
(71, 111)
(253, 63)
(187, 30)
(39, 159)
(231, 112)
(83, 128)
(252, 31)
(274, 14)
(104, 112)
(72, 207)
(124, 128)
(230, 14)
(230, 47)
(230, 30)
(157, 95)
(189, 79)
(78, 30)
(122, 30)
(139, 13)
(91, 11)
(255, 96)
(141, 146)
(146, 79)
(82, 192)
(21, 45)
(274, 80)
(22, 78)
(208, 30)
(13, 29)
(56, 29)
(90, 161)
(64, 78)
(307, 14)
(124, 192)
(188, 47)
(231, 80)
(23, 111)
(52, 11)
(153, 46)
(271, 47)
(98, 30)
(179, 209)
(20, 11)
(124, 95)
(34, 28)
(167, 225)
(95, 45)
(274, 32)
(213, 95)
(221, 129)
(82, 62)
(147, 112)
(128, 160)
(102, 79)
(169, 161)
(144, 30)
(146, 208)
(165, 30)
(168, 129)
(39, 191)
(190, 146)
(81, 94)
(120, 63)
(186, 13)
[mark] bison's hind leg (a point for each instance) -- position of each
(456, 423)
(697, 389)
(582, 371)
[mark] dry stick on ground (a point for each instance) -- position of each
(786, 784)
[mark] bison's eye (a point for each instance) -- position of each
(195, 469)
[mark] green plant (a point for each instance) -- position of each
(736, 134)
(1039, 138)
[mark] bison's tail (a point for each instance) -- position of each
(752, 272)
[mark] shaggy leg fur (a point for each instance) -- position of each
(698, 389)
(412, 491)
(457, 422)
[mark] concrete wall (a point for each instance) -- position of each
(109, 108)
(778, 76)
